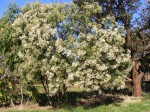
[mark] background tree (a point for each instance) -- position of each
(8, 57)
(140, 46)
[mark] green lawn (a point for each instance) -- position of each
(133, 105)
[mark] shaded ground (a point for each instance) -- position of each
(74, 99)
(129, 104)
(88, 100)
(84, 99)
(78, 101)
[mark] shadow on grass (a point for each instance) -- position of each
(72, 99)
(89, 100)
(86, 100)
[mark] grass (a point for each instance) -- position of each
(129, 105)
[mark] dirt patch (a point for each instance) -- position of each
(29, 107)
(131, 99)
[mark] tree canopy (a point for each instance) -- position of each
(58, 42)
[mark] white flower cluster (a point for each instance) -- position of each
(102, 62)
(97, 61)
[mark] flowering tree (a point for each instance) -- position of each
(62, 45)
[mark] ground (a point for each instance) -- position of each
(103, 103)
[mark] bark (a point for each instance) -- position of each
(21, 96)
(137, 79)
(27, 101)
(46, 91)
(12, 94)
(109, 7)
(12, 103)
(127, 27)
(126, 21)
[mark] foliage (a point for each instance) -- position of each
(141, 38)
(118, 8)
(8, 48)
(64, 44)
(137, 32)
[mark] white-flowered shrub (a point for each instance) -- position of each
(67, 45)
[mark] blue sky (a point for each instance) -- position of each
(4, 3)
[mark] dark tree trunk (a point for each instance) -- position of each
(128, 37)
(46, 89)
(109, 8)
(137, 79)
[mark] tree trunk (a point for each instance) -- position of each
(128, 39)
(12, 103)
(137, 79)
(127, 27)
(45, 88)
(21, 96)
